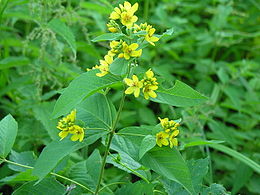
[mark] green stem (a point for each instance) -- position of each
(112, 132)
(106, 186)
(54, 174)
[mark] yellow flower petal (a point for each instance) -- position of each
(127, 5)
(130, 90)
(108, 59)
(137, 53)
(133, 46)
(165, 142)
(74, 137)
(126, 56)
(137, 92)
(135, 78)
(121, 55)
(175, 133)
(134, 8)
(152, 94)
(173, 142)
(128, 81)
(63, 134)
(114, 15)
(149, 73)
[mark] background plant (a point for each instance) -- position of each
(214, 49)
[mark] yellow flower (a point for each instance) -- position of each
(150, 85)
(172, 139)
(115, 14)
(67, 126)
(125, 13)
(63, 134)
(149, 36)
(128, 7)
(149, 32)
(128, 19)
(162, 139)
(149, 92)
(164, 122)
(67, 121)
(77, 133)
(134, 86)
(130, 51)
(104, 65)
(168, 125)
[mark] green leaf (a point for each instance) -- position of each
(64, 31)
(79, 173)
(126, 163)
(96, 7)
(137, 188)
(96, 111)
(42, 112)
(108, 37)
(80, 88)
(46, 186)
(20, 177)
(25, 158)
(180, 95)
(8, 132)
(93, 165)
(87, 172)
(169, 163)
(168, 32)
(147, 144)
(57, 150)
(237, 155)
(119, 66)
(128, 142)
(215, 189)
(202, 142)
(198, 169)
(242, 175)
(13, 62)
(52, 154)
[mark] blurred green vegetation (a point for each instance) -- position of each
(215, 49)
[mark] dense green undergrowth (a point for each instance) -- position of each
(211, 45)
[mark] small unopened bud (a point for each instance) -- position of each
(113, 26)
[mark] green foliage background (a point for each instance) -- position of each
(215, 48)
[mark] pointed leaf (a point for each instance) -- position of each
(180, 95)
(57, 150)
(8, 132)
(80, 88)
(97, 111)
(169, 163)
(64, 31)
(46, 186)
(108, 37)
(147, 144)
(119, 66)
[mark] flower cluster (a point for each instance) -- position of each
(67, 126)
(149, 32)
(125, 13)
(124, 48)
(168, 136)
(148, 84)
